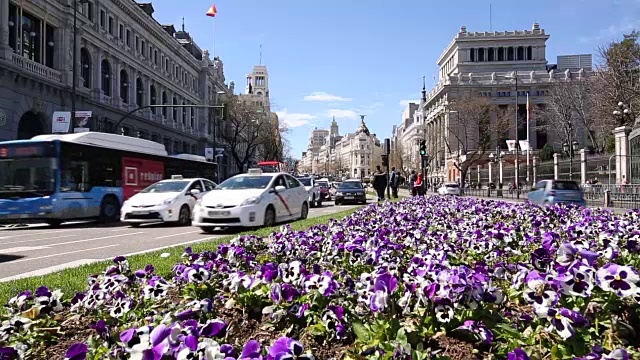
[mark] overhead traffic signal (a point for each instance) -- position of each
(423, 147)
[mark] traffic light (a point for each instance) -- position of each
(423, 147)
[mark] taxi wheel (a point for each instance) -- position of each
(304, 211)
(207, 229)
(269, 217)
(184, 219)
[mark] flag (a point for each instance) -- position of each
(212, 11)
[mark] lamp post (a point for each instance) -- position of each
(213, 136)
(623, 113)
(517, 165)
(496, 158)
(569, 148)
(74, 71)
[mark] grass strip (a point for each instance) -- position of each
(72, 280)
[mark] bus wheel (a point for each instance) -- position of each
(54, 223)
(109, 209)
(184, 218)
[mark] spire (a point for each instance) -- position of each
(183, 24)
(424, 89)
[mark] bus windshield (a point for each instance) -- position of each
(26, 177)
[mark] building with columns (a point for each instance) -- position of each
(125, 60)
(487, 64)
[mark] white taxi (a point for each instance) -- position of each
(165, 201)
(252, 199)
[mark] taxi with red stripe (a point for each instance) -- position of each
(251, 200)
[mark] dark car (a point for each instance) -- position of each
(351, 191)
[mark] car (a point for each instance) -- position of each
(351, 191)
(315, 198)
(252, 200)
(549, 192)
(324, 188)
(168, 201)
(450, 188)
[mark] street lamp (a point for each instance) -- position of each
(515, 77)
(623, 113)
(74, 72)
(496, 158)
(570, 152)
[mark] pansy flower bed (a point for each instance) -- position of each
(423, 278)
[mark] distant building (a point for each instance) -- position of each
(575, 62)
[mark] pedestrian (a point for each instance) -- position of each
(393, 183)
(379, 182)
(412, 183)
(419, 185)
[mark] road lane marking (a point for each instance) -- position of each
(122, 229)
(29, 233)
(22, 249)
(61, 254)
(32, 240)
(184, 233)
(94, 239)
(50, 269)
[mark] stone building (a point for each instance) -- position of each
(486, 64)
(125, 60)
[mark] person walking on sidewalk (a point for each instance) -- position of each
(380, 182)
(420, 185)
(412, 183)
(393, 183)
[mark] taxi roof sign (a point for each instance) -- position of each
(254, 172)
(176, 177)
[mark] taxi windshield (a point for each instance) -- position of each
(245, 182)
(166, 186)
(305, 181)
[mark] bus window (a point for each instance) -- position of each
(75, 176)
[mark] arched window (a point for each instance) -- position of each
(529, 53)
(509, 54)
(152, 97)
(520, 53)
(175, 109)
(106, 77)
(472, 54)
(193, 118)
(85, 64)
(491, 54)
(500, 54)
(139, 91)
(164, 102)
(480, 54)
(124, 86)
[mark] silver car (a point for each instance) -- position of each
(315, 197)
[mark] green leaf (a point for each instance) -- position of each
(556, 353)
(401, 336)
(361, 331)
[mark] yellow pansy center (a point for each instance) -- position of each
(558, 316)
(618, 277)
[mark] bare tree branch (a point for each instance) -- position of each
(244, 122)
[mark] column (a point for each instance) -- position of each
(478, 174)
(5, 50)
(500, 174)
(534, 167)
(583, 166)
(556, 159)
(490, 172)
(622, 151)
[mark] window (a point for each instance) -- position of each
(480, 54)
(208, 185)
(196, 185)
(510, 54)
(472, 54)
(85, 64)
(164, 102)
(142, 48)
(291, 182)
(121, 32)
(155, 57)
(520, 53)
(175, 109)
(529, 53)
(128, 38)
(500, 54)
(106, 77)
(152, 93)
(184, 113)
(110, 25)
(89, 12)
(137, 43)
(103, 18)
(124, 86)
(139, 92)
(490, 54)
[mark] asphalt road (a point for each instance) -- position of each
(39, 249)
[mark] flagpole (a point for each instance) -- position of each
(214, 38)
(528, 141)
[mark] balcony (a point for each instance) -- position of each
(35, 68)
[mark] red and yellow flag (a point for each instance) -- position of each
(212, 11)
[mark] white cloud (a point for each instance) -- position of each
(293, 120)
(404, 103)
(342, 114)
(323, 96)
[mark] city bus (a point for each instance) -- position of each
(61, 177)
(271, 166)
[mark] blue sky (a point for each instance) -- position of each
(351, 57)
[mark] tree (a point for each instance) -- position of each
(244, 122)
(399, 155)
(474, 128)
(272, 139)
(618, 80)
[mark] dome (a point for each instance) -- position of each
(363, 128)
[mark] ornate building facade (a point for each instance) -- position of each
(486, 64)
(125, 60)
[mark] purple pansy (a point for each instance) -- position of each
(619, 279)
(287, 349)
(517, 354)
(76, 352)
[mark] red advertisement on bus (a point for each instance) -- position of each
(137, 174)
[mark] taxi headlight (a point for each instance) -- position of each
(167, 202)
(252, 201)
